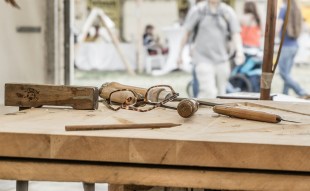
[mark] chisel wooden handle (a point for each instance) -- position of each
(154, 95)
(246, 114)
(119, 86)
(118, 97)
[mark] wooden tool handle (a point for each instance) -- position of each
(118, 97)
(247, 114)
(119, 126)
(157, 94)
(119, 86)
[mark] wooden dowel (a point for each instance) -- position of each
(119, 86)
(117, 97)
(120, 126)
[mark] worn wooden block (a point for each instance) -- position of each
(34, 95)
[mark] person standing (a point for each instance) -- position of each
(290, 46)
(250, 25)
(212, 23)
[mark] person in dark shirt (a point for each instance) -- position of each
(151, 43)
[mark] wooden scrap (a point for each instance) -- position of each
(34, 95)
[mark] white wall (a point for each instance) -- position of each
(160, 13)
(22, 55)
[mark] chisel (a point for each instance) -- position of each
(248, 114)
(240, 113)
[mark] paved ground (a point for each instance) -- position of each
(177, 79)
(300, 73)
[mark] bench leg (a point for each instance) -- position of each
(21, 185)
(120, 187)
(89, 186)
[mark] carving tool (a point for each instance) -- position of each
(206, 103)
(120, 126)
(248, 114)
(240, 113)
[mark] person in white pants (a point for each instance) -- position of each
(212, 24)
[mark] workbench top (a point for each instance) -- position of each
(206, 139)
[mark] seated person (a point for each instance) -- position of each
(153, 45)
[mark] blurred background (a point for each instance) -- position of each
(89, 42)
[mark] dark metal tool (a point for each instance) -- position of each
(206, 103)
(187, 108)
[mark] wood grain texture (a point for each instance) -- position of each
(206, 139)
(153, 176)
(33, 95)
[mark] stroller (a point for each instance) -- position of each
(243, 78)
(246, 77)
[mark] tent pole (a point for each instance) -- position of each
(267, 67)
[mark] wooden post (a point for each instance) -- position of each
(50, 39)
(120, 187)
(139, 38)
(21, 185)
(68, 44)
(267, 67)
(118, 48)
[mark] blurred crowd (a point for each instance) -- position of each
(226, 51)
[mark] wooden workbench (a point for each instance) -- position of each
(207, 151)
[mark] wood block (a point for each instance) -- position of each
(34, 95)
(204, 140)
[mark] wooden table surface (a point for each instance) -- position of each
(205, 140)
